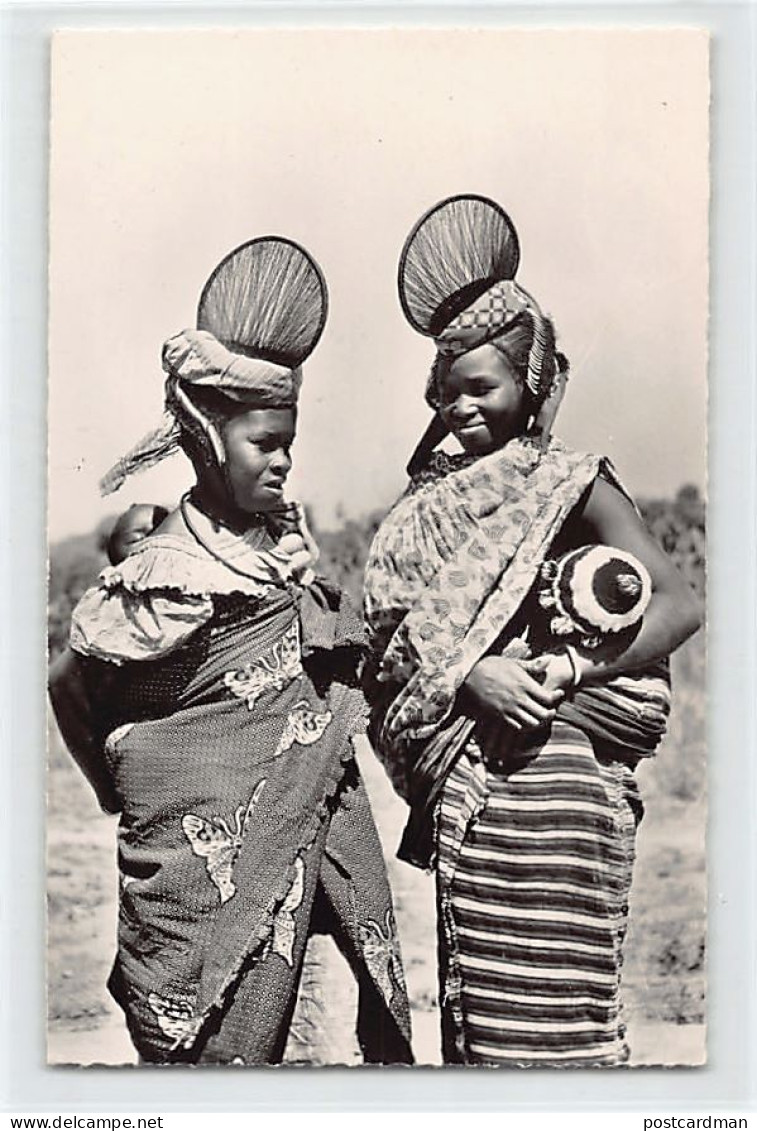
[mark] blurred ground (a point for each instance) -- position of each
(664, 966)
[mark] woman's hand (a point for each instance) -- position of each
(510, 690)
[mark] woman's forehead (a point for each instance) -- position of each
(267, 421)
(484, 361)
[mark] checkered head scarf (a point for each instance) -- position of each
(492, 314)
(260, 315)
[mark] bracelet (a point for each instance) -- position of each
(572, 655)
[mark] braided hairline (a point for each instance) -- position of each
(210, 414)
(502, 343)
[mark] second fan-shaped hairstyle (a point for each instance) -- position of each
(455, 252)
(266, 301)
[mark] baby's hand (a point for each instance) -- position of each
(553, 670)
(511, 689)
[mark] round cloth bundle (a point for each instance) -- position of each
(260, 315)
(593, 593)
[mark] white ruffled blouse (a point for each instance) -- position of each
(152, 602)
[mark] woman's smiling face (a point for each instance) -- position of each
(482, 400)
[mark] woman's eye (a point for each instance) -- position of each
(268, 447)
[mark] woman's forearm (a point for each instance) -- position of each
(674, 612)
(669, 621)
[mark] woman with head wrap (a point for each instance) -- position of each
(216, 680)
(514, 681)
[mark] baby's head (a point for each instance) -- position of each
(593, 598)
(137, 523)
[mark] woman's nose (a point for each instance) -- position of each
(461, 408)
(281, 462)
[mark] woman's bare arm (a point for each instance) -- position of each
(674, 612)
(510, 690)
(73, 713)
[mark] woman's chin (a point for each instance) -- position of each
(263, 502)
(481, 442)
(476, 442)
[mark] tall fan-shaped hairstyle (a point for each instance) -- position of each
(455, 252)
(266, 299)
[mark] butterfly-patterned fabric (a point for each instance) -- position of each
(239, 792)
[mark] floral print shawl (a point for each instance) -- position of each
(446, 580)
(451, 565)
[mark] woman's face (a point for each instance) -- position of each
(257, 445)
(482, 401)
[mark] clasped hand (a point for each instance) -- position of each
(525, 694)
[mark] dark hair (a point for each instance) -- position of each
(217, 406)
(515, 346)
(218, 409)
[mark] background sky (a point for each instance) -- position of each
(170, 149)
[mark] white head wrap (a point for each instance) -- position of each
(197, 358)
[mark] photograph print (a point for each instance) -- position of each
(377, 486)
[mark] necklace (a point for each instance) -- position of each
(209, 549)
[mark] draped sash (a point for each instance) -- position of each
(447, 578)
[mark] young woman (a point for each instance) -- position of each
(217, 676)
(519, 771)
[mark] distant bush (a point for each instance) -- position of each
(344, 552)
(74, 565)
(679, 527)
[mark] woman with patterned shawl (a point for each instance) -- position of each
(516, 757)
(210, 695)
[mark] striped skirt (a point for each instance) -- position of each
(534, 873)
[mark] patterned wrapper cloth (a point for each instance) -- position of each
(243, 811)
(532, 841)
